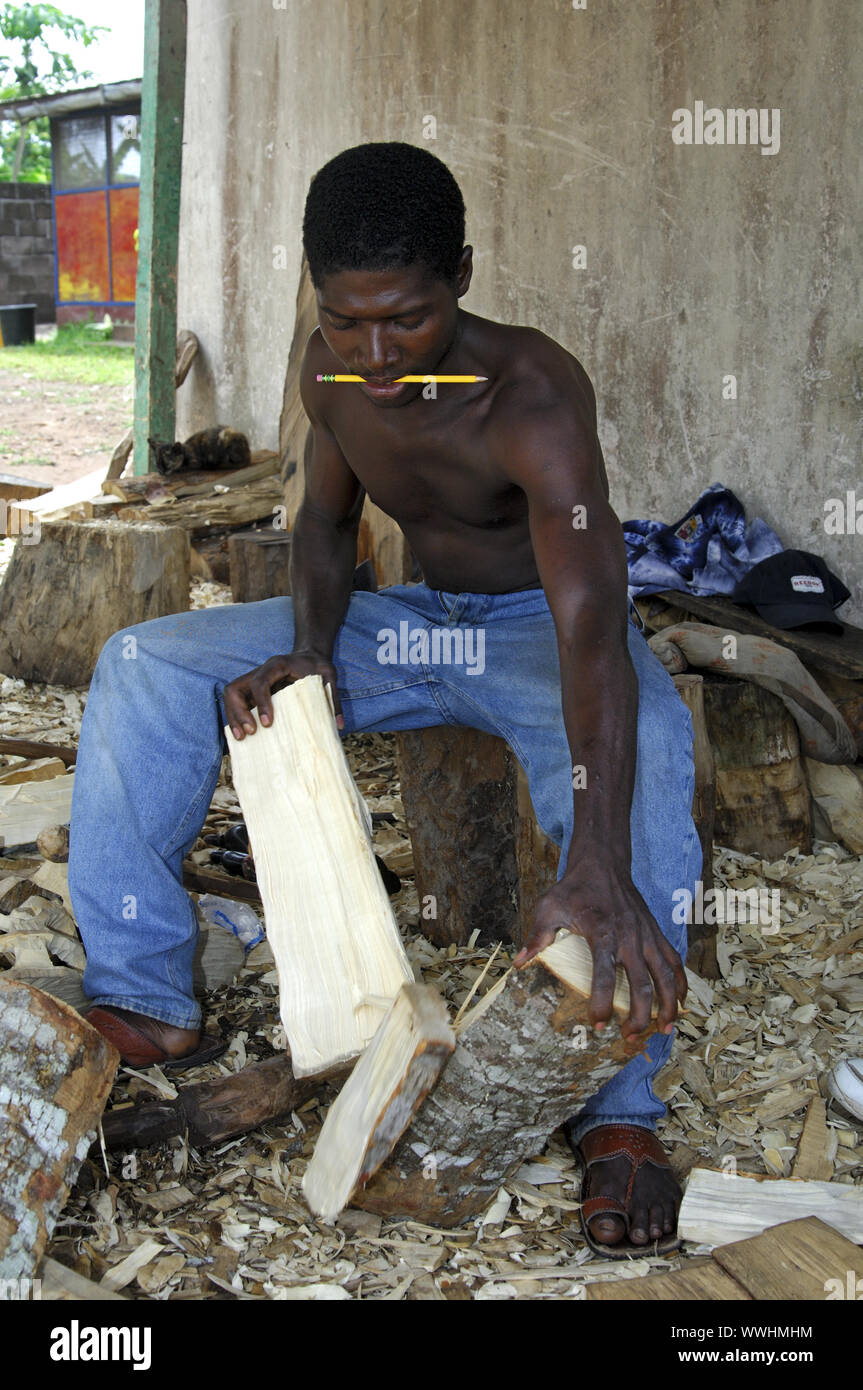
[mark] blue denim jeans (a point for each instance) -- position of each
(152, 743)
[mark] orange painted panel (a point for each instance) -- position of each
(82, 246)
(124, 241)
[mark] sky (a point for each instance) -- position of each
(114, 56)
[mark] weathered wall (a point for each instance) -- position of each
(701, 261)
(27, 247)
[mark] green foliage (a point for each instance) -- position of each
(79, 352)
(37, 68)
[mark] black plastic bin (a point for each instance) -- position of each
(17, 324)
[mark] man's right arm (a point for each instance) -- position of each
(323, 557)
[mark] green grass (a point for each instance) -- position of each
(78, 352)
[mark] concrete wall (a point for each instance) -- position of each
(27, 247)
(702, 261)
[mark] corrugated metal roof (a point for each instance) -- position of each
(103, 95)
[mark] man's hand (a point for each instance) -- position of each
(610, 913)
(254, 690)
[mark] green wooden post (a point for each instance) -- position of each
(159, 222)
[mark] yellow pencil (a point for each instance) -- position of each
(331, 376)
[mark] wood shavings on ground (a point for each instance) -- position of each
(176, 1223)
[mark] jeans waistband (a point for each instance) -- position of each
(470, 608)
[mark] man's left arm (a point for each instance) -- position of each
(554, 456)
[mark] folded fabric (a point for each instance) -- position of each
(708, 551)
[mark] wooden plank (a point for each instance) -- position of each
(56, 1073)
(162, 96)
(330, 924)
(698, 1280)
(812, 1160)
(721, 1207)
(32, 748)
(841, 655)
(792, 1261)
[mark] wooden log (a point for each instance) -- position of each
(840, 654)
(459, 794)
(388, 1084)
(525, 1056)
(31, 748)
(722, 1207)
(762, 798)
(62, 599)
(701, 955)
(329, 921)
(847, 696)
(56, 1073)
(260, 564)
(239, 506)
(212, 1111)
(536, 857)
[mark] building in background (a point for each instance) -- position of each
(96, 164)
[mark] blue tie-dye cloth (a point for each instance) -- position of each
(707, 552)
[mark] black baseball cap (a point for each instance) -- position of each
(793, 589)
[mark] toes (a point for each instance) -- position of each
(638, 1226)
(658, 1222)
(608, 1230)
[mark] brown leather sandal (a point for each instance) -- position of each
(138, 1048)
(639, 1146)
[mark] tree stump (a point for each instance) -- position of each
(62, 599)
(762, 797)
(260, 564)
(56, 1073)
(524, 1058)
(701, 955)
(459, 794)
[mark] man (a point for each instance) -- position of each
(500, 488)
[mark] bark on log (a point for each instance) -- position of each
(62, 599)
(260, 564)
(762, 798)
(525, 1059)
(56, 1074)
(536, 856)
(212, 1111)
(459, 795)
(701, 955)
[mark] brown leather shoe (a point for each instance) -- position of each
(141, 1041)
(638, 1146)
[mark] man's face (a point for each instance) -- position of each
(383, 324)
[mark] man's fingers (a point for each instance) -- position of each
(665, 983)
(238, 710)
(640, 994)
(602, 989)
(539, 938)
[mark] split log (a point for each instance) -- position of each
(56, 1073)
(536, 856)
(701, 954)
(62, 599)
(239, 506)
(722, 1207)
(329, 921)
(762, 798)
(212, 1111)
(120, 456)
(388, 1084)
(525, 1057)
(37, 770)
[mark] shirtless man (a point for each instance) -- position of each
(500, 488)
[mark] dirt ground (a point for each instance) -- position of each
(56, 431)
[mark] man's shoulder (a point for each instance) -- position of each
(534, 372)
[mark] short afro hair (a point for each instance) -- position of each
(384, 206)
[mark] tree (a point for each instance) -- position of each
(37, 68)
